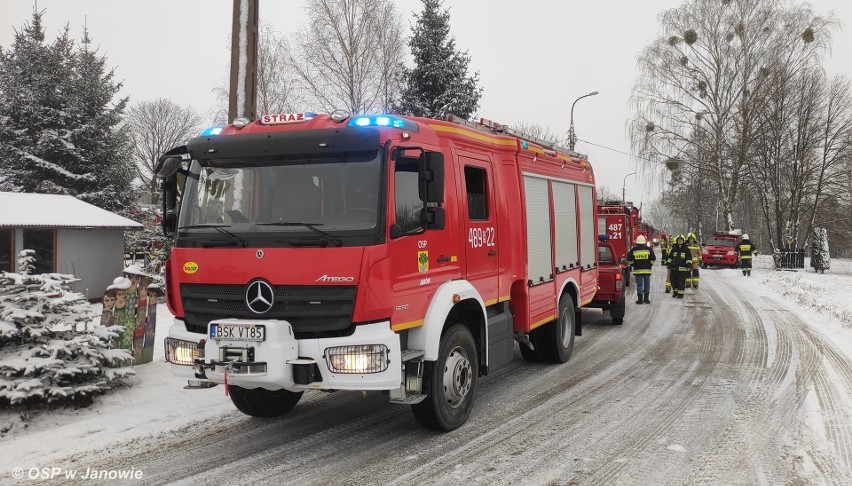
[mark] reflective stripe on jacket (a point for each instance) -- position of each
(746, 251)
(680, 258)
(641, 258)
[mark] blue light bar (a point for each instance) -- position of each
(383, 121)
(603, 237)
(524, 144)
(211, 131)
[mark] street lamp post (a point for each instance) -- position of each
(572, 137)
(643, 199)
(623, 186)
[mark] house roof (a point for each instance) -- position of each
(26, 210)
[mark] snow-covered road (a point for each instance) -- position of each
(727, 386)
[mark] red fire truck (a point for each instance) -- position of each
(619, 222)
(398, 254)
(720, 249)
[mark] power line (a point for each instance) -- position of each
(618, 151)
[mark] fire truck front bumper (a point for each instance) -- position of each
(266, 354)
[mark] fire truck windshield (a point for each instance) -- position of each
(261, 199)
(721, 242)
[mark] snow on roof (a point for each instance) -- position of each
(26, 210)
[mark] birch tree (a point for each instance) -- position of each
(155, 127)
(349, 55)
(700, 90)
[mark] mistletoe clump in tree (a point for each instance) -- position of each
(438, 85)
(50, 352)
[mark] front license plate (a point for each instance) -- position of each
(238, 332)
(717, 257)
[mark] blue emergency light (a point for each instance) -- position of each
(383, 121)
(216, 130)
(603, 237)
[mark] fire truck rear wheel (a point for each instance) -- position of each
(263, 403)
(556, 342)
(450, 382)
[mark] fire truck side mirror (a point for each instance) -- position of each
(432, 177)
(433, 218)
(169, 221)
(167, 167)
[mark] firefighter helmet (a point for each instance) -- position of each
(640, 240)
(745, 236)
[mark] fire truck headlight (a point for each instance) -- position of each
(182, 352)
(731, 253)
(365, 358)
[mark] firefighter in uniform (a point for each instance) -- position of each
(695, 249)
(746, 250)
(680, 261)
(665, 246)
(641, 258)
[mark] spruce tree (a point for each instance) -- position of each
(820, 254)
(59, 126)
(438, 84)
(97, 131)
(50, 351)
(35, 78)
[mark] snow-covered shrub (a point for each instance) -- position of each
(50, 350)
(820, 256)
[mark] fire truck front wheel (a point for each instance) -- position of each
(450, 382)
(263, 403)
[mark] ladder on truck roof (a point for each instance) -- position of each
(486, 125)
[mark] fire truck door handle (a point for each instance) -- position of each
(492, 253)
(443, 259)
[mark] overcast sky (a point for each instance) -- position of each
(534, 57)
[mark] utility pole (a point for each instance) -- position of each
(242, 96)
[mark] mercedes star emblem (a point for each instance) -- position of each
(260, 297)
(259, 254)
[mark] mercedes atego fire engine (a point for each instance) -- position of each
(405, 255)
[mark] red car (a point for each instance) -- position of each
(610, 294)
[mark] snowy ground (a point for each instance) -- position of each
(156, 407)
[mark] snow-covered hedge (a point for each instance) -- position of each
(50, 350)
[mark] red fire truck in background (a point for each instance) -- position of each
(620, 223)
(651, 234)
(400, 254)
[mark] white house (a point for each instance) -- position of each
(68, 235)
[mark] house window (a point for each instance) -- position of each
(7, 250)
(44, 244)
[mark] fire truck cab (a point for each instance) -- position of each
(388, 253)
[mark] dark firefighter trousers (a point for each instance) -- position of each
(679, 280)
